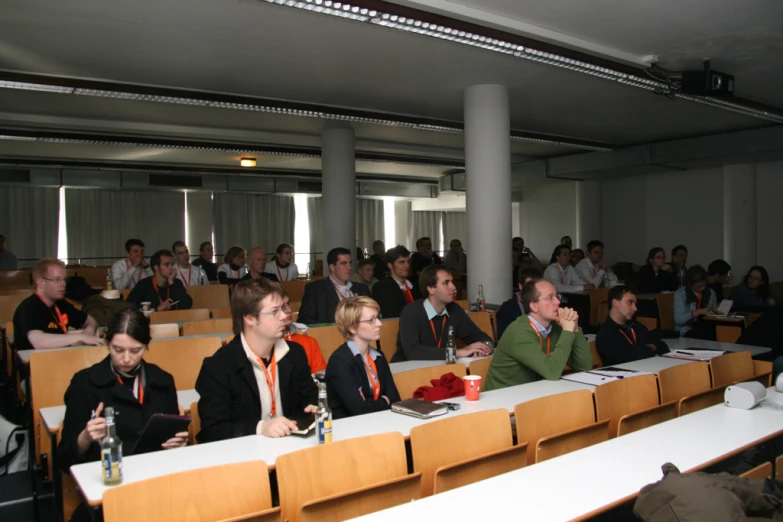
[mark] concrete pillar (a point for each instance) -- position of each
(588, 213)
(739, 217)
(338, 164)
(488, 191)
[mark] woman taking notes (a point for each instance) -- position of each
(358, 377)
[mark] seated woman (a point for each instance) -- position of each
(135, 389)
(281, 264)
(753, 293)
(655, 276)
(233, 268)
(691, 303)
(358, 378)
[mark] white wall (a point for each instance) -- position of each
(547, 213)
(769, 205)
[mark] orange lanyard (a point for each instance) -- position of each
(157, 292)
(138, 389)
(60, 318)
(442, 329)
(372, 372)
(279, 274)
(541, 338)
(633, 332)
(128, 267)
(407, 293)
(562, 274)
(182, 276)
(698, 301)
(350, 294)
(270, 381)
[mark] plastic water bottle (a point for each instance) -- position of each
(451, 347)
(109, 283)
(308, 275)
(481, 304)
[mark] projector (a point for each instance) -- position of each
(707, 83)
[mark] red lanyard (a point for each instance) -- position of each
(541, 338)
(157, 292)
(407, 293)
(350, 294)
(137, 388)
(60, 318)
(270, 381)
(633, 332)
(279, 274)
(442, 329)
(128, 267)
(562, 274)
(182, 276)
(698, 301)
(372, 371)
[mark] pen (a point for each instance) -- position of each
(92, 415)
(685, 353)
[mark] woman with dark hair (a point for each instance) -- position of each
(754, 291)
(655, 276)
(135, 389)
(691, 303)
(281, 264)
(233, 268)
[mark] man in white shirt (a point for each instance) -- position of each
(188, 273)
(593, 267)
(561, 274)
(126, 273)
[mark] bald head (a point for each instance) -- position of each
(256, 260)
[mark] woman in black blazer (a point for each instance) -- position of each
(135, 389)
(358, 377)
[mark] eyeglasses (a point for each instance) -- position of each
(274, 313)
(56, 280)
(372, 320)
(559, 297)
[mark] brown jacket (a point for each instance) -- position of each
(102, 309)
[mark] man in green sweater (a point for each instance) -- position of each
(540, 343)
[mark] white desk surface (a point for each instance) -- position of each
(405, 366)
(254, 447)
(652, 364)
(53, 416)
(682, 343)
(628, 463)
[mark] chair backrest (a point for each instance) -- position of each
(760, 472)
(684, 380)
(464, 304)
(646, 418)
(163, 330)
(481, 368)
(8, 304)
(94, 275)
(221, 313)
(730, 368)
(603, 312)
(215, 493)
(572, 440)
(17, 290)
(295, 306)
(727, 334)
(195, 424)
(701, 400)
(484, 323)
(597, 362)
(750, 319)
(294, 289)
(666, 310)
(762, 371)
(209, 296)
(211, 326)
(182, 358)
(649, 322)
(408, 382)
(390, 328)
(331, 469)
(174, 316)
(623, 396)
(551, 415)
(451, 440)
(16, 278)
(479, 468)
(329, 339)
(597, 296)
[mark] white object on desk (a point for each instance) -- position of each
(694, 355)
(744, 395)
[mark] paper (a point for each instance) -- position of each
(694, 355)
(588, 378)
(725, 306)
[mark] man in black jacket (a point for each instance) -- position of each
(321, 297)
(258, 383)
(163, 290)
(379, 258)
(423, 257)
(395, 291)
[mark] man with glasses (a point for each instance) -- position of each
(163, 290)
(41, 320)
(540, 343)
(189, 274)
(259, 383)
(425, 323)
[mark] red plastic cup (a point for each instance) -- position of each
(472, 387)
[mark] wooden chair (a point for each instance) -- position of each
(16, 278)
(358, 470)
(483, 321)
(221, 313)
(760, 472)
(294, 289)
(408, 382)
(597, 296)
(701, 400)
(463, 440)
(649, 322)
(597, 362)
(163, 330)
(727, 334)
(603, 312)
(95, 276)
(17, 290)
(464, 304)
(493, 316)
(481, 368)
(390, 329)
(8, 304)
(214, 493)
(763, 372)
(182, 358)
(209, 297)
(126, 293)
(778, 467)
(211, 326)
(666, 310)
(646, 418)
(195, 424)
(572, 440)
(683, 381)
(329, 339)
(295, 306)
(551, 415)
(177, 316)
(620, 397)
(730, 368)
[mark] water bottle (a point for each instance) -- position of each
(308, 275)
(323, 416)
(109, 284)
(451, 347)
(605, 280)
(481, 304)
(111, 451)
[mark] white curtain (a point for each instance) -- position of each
(251, 220)
(425, 223)
(315, 211)
(29, 220)
(455, 226)
(100, 221)
(369, 222)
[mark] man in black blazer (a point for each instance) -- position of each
(394, 292)
(321, 297)
(258, 383)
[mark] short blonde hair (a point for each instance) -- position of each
(349, 313)
(41, 268)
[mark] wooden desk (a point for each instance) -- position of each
(626, 469)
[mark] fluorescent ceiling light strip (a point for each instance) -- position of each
(24, 86)
(595, 148)
(17, 138)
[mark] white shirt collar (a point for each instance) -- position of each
(431, 313)
(543, 331)
(346, 286)
(407, 283)
(280, 349)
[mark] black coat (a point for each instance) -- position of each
(390, 298)
(647, 282)
(346, 375)
(230, 404)
(320, 301)
(96, 384)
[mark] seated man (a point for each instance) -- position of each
(256, 382)
(541, 346)
(379, 259)
(594, 267)
(424, 256)
(315, 357)
(717, 274)
(394, 292)
(424, 324)
(126, 273)
(364, 273)
(321, 297)
(162, 290)
(189, 274)
(512, 309)
(256, 264)
(456, 259)
(204, 261)
(561, 274)
(679, 262)
(8, 260)
(566, 240)
(621, 339)
(41, 320)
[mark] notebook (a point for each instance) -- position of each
(419, 408)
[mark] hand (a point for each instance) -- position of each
(91, 340)
(700, 311)
(144, 263)
(171, 278)
(180, 440)
(472, 349)
(589, 286)
(165, 305)
(95, 429)
(667, 267)
(310, 408)
(568, 319)
(277, 427)
(771, 301)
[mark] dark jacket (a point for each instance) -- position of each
(209, 268)
(102, 309)
(508, 313)
(268, 277)
(648, 282)
(420, 262)
(346, 375)
(320, 301)
(230, 404)
(96, 384)
(765, 331)
(615, 348)
(145, 291)
(390, 298)
(381, 268)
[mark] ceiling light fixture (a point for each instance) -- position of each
(247, 162)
